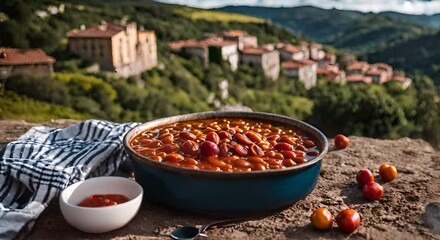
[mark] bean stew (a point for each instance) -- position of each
(225, 144)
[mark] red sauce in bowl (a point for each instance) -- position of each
(103, 200)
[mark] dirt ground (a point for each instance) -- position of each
(410, 208)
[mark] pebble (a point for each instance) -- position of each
(432, 216)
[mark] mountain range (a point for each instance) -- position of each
(330, 25)
(402, 6)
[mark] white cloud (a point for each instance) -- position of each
(403, 6)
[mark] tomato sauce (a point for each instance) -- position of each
(103, 200)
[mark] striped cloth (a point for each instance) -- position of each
(42, 162)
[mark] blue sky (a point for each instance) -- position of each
(404, 6)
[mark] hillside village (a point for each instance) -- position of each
(124, 48)
(304, 62)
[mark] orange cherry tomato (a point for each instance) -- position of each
(341, 141)
(322, 219)
(387, 172)
(348, 220)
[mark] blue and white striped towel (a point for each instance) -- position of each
(42, 162)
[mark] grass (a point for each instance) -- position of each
(14, 106)
(216, 16)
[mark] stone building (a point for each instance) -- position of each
(378, 75)
(290, 52)
(402, 79)
(357, 67)
(268, 60)
(316, 52)
(388, 69)
(332, 73)
(222, 50)
(118, 47)
(242, 38)
(304, 70)
(29, 62)
(191, 48)
(213, 49)
(329, 59)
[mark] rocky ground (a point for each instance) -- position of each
(410, 208)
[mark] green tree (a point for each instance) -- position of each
(43, 89)
(359, 110)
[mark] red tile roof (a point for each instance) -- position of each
(291, 49)
(106, 30)
(330, 74)
(218, 42)
(359, 78)
(374, 71)
(321, 70)
(13, 56)
(191, 43)
(176, 45)
(398, 77)
(358, 66)
(333, 75)
(293, 64)
(308, 62)
(255, 51)
(384, 66)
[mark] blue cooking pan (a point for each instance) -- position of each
(227, 192)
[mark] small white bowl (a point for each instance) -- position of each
(100, 219)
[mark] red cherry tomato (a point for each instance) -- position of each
(341, 141)
(364, 176)
(348, 220)
(373, 191)
(322, 219)
(387, 172)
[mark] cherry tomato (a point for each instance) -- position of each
(364, 176)
(322, 219)
(341, 141)
(387, 172)
(373, 191)
(348, 220)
